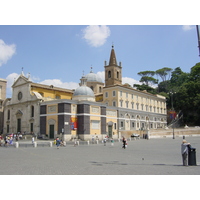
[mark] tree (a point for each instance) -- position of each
(147, 77)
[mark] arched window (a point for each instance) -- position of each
(32, 111)
(99, 89)
(117, 74)
(109, 74)
(8, 118)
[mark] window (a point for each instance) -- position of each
(106, 94)
(109, 74)
(120, 93)
(8, 117)
(99, 89)
(122, 124)
(132, 105)
(121, 103)
(8, 128)
(126, 104)
(92, 88)
(114, 93)
(57, 96)
(115, 126)
(132, 96)
(117, 74)
(114, 103)
(127, 95)
(133, 124)
(32, 111)
(31, 127)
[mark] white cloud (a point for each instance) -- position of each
(188, 27)
(96, 35)
(6, 52)
(130, 81)
(101, 75)
(10, 80)
(59, 83)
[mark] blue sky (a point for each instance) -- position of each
(58, 55)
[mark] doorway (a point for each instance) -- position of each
(110, 131)
(51, 131)
(19, 125)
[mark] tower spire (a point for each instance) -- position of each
(113, 60)
(113, 72)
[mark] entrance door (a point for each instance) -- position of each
(18, 125)
(51, 131)
(110, 131)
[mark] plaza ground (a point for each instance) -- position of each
(142, 157)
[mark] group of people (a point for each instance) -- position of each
(7, 140)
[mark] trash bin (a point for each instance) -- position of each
(191, 155)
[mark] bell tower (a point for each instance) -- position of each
(113, 72)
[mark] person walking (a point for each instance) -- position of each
(124, 143)
(104, 141)
(57, 143)
(184, 152)
(33, 140)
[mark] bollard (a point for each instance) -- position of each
(88, 142)
(50, 144)
(35, 144)
(97, 141)
(78, 143)
(17, 144)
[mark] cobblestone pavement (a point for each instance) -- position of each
(142, 157)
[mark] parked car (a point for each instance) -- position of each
(135, 135)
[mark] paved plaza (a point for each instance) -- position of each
(142, 157)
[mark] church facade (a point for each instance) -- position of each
(93, 109)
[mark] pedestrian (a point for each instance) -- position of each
(75, 142)
(32, 140)
(97, 139)
(184, 152)
(124, 142)
(92, 139)
(112, 141)
(57, 143)
(104, 141)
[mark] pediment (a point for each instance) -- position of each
(21, 80)
(19, 113)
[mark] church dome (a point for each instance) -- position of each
(92, 77)
(83, 92)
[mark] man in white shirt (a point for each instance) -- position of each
(184, 152)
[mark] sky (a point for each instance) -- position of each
(59, 54)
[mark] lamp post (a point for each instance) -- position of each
(171, 93)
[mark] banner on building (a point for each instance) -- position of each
(172, 114)
(73, 123)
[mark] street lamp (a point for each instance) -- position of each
(171, 93)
